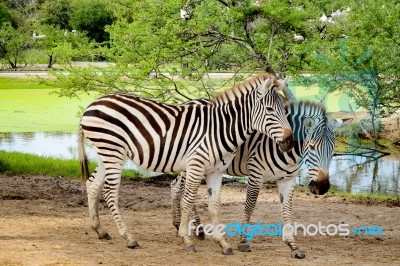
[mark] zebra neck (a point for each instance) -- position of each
(298, 150)
(231, 121)
(299, 136)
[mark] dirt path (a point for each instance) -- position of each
(44, 221)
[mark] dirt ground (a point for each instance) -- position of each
(44, 221)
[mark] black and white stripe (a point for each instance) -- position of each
(200, 139)
(262, 160)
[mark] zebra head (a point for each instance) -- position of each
(318, 145)
(269, 113)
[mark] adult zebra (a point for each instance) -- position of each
(200, 139)
(261, 159)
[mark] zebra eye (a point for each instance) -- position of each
(270, 109)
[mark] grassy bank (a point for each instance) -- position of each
(379, 197)
(16, 163)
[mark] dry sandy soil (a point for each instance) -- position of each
(44, 221)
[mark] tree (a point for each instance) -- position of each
(157, 53)
(5, 15)
(16, 34)
(363, 64)
(57, 13)
(60, 45)
(369, 44)
(12, 44)
(377, 30)
(151, 37)
(91, 16)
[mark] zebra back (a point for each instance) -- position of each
(160, 137)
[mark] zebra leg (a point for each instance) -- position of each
(177, 189)
(214, 182)
(94, 186)
(253, 189)
(200, 234)
(110, 193)
(194, 175)
(286, 187)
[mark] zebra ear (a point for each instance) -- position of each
(309, 123)
(287, 92)
(280, 84)
(336, 123)
(265, 86)
(271, 83)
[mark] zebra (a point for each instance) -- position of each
(261, 159)
(201, 139)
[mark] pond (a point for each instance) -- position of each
(348, 173)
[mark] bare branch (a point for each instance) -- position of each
(367, 152)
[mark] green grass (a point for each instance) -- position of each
(334, 191)
(26, 106)
(16, 163)
(379, 197)
(8, 83)
(383, 144)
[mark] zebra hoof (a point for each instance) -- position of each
(105, 236)
(201, 236)
(132, 244)
(190, 248)
(298, 254)
(227, 251)
(244, 247)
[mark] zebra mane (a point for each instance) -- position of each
(320, 108)
(243, 88)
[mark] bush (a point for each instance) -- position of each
(358, 129)
(35, 56)
(91, 16)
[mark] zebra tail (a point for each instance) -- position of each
(82, 155)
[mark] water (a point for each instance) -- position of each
(347, 173)
(354, 174)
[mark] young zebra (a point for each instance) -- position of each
(200, 139)
(261, 159)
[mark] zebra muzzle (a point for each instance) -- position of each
(321, 185)
(287, 143)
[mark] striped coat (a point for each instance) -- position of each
(262, 160)
(199, 139)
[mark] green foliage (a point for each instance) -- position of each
(150, 43)
(357, 129)
(61, 45)
(372, 47)
(57, 13)
(91, 16)
(12, 44)
(5, 15)
(35, 56)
